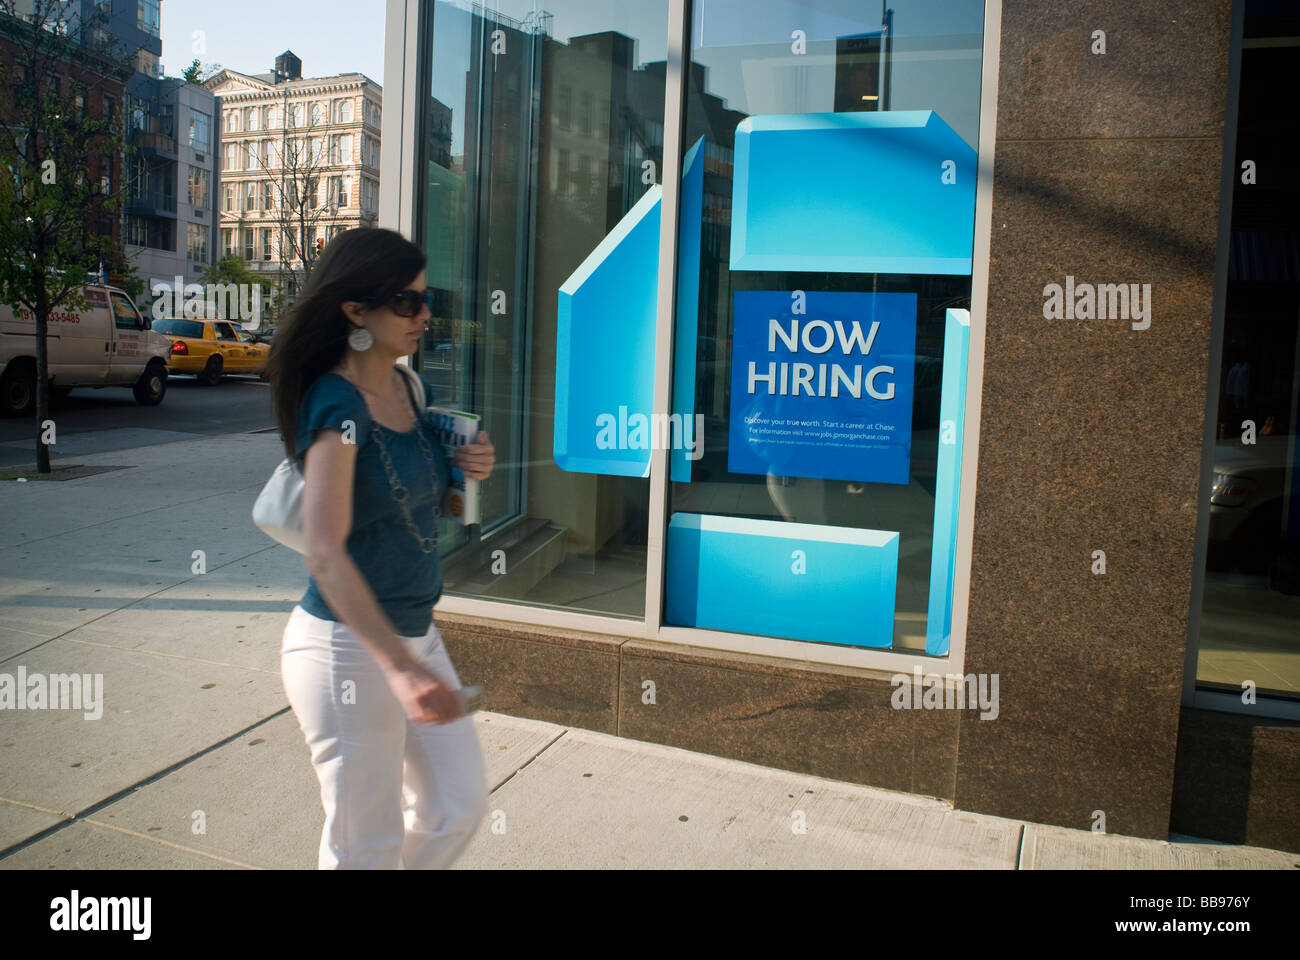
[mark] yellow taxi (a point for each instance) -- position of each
(210, 349)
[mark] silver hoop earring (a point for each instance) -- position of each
(361, 339)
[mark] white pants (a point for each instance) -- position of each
(397, 794)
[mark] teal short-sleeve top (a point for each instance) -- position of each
(406, 580)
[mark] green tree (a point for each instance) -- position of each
(231, 269)
(193, 73)
(61, 140)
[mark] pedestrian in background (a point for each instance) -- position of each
(401, 772)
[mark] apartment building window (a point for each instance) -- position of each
(200, 133)
(151, 233)
(369, 151)
(230, 160)
(338, 191)
(582, 183)
(230, 197)
(268, 195)
(298, 114)
(146, 16)
(584, 114)
(199, 183)
(254, 118)
(166, 120)
(266, 243)
(250, 196)
(345, 148)
(227, 243)
(565, 185)
(196, 243)
(269, 158)
(147, 63)
(272, 118)
(315, 114)
(248, 243)
(345, 111)
(564, 107)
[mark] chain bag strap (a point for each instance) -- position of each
(401, 496)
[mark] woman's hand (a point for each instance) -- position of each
(476, 460)
(423, 695)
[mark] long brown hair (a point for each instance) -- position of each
(366, 264)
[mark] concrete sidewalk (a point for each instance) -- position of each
(197, 761)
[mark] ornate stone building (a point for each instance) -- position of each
(299, 163)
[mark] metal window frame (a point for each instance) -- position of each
(404, 75)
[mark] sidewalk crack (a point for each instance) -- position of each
(521, 767)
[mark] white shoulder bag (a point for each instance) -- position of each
(277, 512)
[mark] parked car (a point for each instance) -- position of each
(1246, 501)
(107, 344)
(210, 349)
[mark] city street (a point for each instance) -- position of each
(100, 420)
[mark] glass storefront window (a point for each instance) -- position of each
(1250, 610)
(516, 198)
(821, 321)
(824, 280)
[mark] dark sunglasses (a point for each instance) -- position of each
(407, 303)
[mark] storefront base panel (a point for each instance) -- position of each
(1237, 779)
(833, 722)
(562, 676)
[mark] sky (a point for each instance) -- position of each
(328, 36)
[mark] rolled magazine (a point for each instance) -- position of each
(456, 428)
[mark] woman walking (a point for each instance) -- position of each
(401, 772)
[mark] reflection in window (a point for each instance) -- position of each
(514, 201)
(1250, 612)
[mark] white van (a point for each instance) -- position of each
(108, 344)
